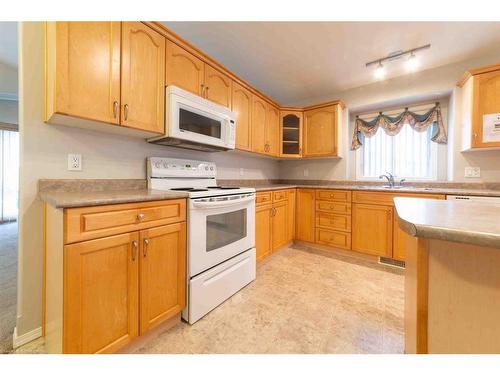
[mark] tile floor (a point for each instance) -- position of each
(303, 301)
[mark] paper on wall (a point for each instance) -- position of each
(491, 127)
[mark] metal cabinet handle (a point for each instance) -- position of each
(125, 111)
(140, 217)
(115, 109)
(202, 89)
(134, 250)
(145, 248)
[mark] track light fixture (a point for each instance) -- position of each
(412, 62)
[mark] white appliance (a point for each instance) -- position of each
(221, 231)
(196, 123)
(473, 198)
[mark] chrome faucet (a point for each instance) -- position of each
(390, 178)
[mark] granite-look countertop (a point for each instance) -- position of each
(404, 189)
(473, 222)
(98, 198)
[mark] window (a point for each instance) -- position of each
(409, 155)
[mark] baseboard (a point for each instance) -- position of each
(18, 341)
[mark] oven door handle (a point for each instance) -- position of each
(223, 203)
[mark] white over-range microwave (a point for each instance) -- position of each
(196, 123)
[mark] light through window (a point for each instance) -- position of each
(410, 155)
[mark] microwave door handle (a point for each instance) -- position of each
(222, 203)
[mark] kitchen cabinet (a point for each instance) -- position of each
(291, 214)
(291, 134)
(481, 96)
(162, 274)
(183, 69)
(272, 130)
(143, 78)
(320, 131)
(263, 230)
(242, 106)
(105, 72)
(112, 273)
(305, 216)
(372, 229)
(218, 86)
(279, 218)
(259, 136)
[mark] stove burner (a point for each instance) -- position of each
(188, 189)
(223, 187)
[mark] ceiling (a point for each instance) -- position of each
(8, 43)
(294, 61)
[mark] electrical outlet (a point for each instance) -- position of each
(74, 162)
(472, 172)
(242, 171)
(306, 172)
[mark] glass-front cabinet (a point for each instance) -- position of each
(291, 134)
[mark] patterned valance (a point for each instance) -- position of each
(392, 125)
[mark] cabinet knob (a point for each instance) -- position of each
(140, 217)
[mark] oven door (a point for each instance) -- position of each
(195, 120)
(219, 228)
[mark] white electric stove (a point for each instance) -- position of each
(221, 231)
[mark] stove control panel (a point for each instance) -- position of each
(166, 167)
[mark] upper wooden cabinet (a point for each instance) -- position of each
(183, 69)
(481, 96)
(217, 86)
(143, 77)
(242, 106)
(320, 132)
(259, 113)
(272, 130)
(291, 134)
(108, 72)
(83, 70)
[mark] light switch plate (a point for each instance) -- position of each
(74, 162)
(472, 172)
(306, 172)
(242, 171)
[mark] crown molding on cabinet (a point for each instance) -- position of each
(472, 72)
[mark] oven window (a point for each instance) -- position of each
(226, 228)
(199, 124)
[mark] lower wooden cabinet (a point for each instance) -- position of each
(333, 238)
(305, 215)
(372, 229)
(291, 214)
(279, 217)
(263, 231)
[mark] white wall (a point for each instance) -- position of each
(44, 150)
(413, 88)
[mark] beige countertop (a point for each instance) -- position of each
(474, 223)
(98, 198)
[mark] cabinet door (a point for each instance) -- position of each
(279, 220)
(291, 134)
(273, 130)
(399, 243)
(320, 132)
(372, 229)
(291, 215)
(242, 106)
(486, 100)
(87, 73)
(305, 215)
(101, 294)
(163, 273)
(259, 111)
(217, 86)
(263, 231)
(183, 69)
(143, 78)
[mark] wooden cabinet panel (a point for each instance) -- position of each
(87, 70)
(334, 195)
(272, 130)
(259, 111)
(279, 196)
(305, 217)
(399, 240)
(101, 294)
(279, 217)
(486, 100)
(372, 229)
(264, 197)
(263, 231)
(218, 86)
(242, 106)
(142, 78)
(291, 134)
(183, 69)
(333, 238)
(333, 222)
(320, 132)
(291, 215)
(334, 207)
(162, 274)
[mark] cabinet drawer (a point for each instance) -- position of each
(333, 238)
(263, 198)
(334, 207)
(334, 195)
(94, 222)
(279, 196)
(372, 197)
(333, 222)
